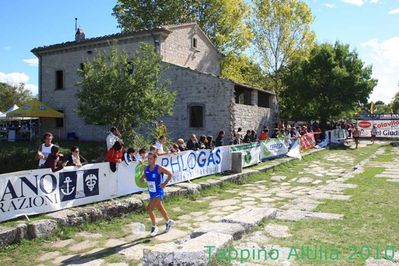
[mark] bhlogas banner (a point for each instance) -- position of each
(184, 166)
(272, 148)
(308, 141)
(250, 153)
(41, 190)
(385, 128)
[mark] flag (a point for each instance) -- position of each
(372, 108)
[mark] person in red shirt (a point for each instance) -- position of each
(264, 135)
(53, 160)
(114, 155)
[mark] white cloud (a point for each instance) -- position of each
(16, 78)
(385, 60)
(329, 5)
(360, 2)
(32, 61)
(394, 11)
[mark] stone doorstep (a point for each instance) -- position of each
(77, 215)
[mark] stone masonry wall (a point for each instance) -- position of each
(250, 117)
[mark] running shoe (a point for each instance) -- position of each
(169, 225)
(154, 231)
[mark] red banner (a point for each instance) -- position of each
(308, 141)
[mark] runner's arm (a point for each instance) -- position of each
(166, 172)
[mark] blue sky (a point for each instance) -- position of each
(371, 27)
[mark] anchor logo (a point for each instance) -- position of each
(91, 181)
(68, 191)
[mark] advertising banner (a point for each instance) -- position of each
(308, 141)
(272, 148)
(184, 166)
(250, 153)
(385, 128)
(41, 190)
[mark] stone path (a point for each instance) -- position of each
(236, 219)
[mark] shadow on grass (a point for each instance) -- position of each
(82, 259)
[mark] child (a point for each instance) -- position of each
(141, 156)
(129, 156)
(153, 173)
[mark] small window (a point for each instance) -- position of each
(194, 42)
(196, 116)
(263, 99)
(59, 79)
(59, 122)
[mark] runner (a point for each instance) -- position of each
(373, 134)
(153, 174)
(356, 135)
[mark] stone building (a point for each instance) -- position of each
(205, 102)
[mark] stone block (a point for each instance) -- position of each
(42, 228)
(235, 230)
(250, 217)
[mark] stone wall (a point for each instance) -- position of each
(177, 49)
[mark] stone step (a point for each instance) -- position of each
(294, 215)
(235, 230)
(249, 218)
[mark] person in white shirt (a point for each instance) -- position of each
(113, 137)
(159, 145)
(45, 149)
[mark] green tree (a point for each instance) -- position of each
(382, 108)
(125, 92)
(241, 69)
(281, 34)
(395, 104)
(224, 21)
(331, 82)
(11, 95)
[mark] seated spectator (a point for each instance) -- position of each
(141, 155)
(192, 143)
(210, 145)
(114, 155)
(247, 137)
(174, 149)
(53, 160)
(202, 142)
(159, 146)
(253, 136)
(129, 156)
(75, 159)
(219, 139)
(264, 135)
(181, 145)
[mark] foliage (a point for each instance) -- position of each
(382, 108)
(224, 21)
(395, 104)
(332, 82)
(124, 92)
(11, 95)
(241, 69)
(281, 34)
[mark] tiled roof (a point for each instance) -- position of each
(97, 39)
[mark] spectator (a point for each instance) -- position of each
(141, 156)
(202, 142)
(219, 139)
(112, 137)
(356, 136)
(159, 145)
(181, 145)
(239, 136)
(174, 149)
(264, 135)
(247, 137)
(129, 156)
(45, 149)
(192, 143)
(153, 149)
(114, 155)
(75, 159)
(210, 145)
(253, 136)
(53, 160)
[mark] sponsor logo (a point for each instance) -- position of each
(364, 124)
(78, 184)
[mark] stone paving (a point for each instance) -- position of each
(234, 220)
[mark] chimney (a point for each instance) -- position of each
(79, 35)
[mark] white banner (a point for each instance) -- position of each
(385, 128)
(295, 151)
(41, 190)
(250, 153)
(272, 148)
(184, 166)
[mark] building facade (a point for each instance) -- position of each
(205, 103)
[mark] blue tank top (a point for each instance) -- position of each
(154, 180)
